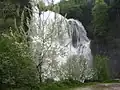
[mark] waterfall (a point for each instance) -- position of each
(54, 40)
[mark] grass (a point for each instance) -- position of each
(64, 85)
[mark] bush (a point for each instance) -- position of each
(77, 69)
(16, 66)
(101, 68)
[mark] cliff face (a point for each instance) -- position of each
(112, 51)
(110, 48)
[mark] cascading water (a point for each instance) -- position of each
(79, 39)
(55, 39)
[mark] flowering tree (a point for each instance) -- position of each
(47, 31)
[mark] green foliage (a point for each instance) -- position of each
(100, 19)
(61, 85)
(64, 85)
(101, 68)
(10, 10)
(16, 65)
(17, 68)
(21, 2)
(77, 9)
(71, 9)
(7, 13)
(50, 87)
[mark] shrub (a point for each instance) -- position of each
(77, 68)
(101, 68)
(16, 66)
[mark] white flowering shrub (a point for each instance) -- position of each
(77, 69)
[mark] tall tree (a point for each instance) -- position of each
(100, 20)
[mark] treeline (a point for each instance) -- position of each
(98, 16)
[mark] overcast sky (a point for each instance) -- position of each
(51, 1)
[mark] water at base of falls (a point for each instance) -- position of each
(61, 45)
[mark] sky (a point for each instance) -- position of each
(51, 1)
